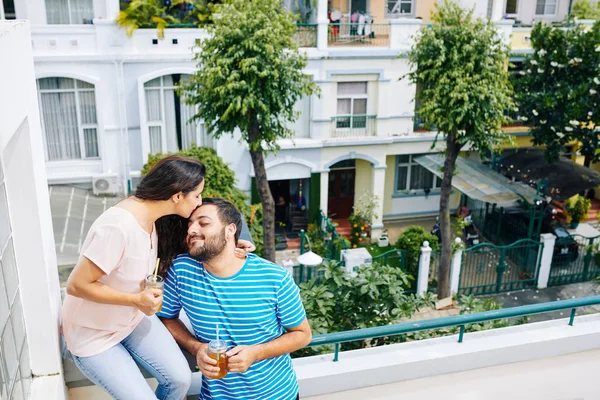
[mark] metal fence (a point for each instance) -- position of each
(345, 126)
(575, 259)
(357, 34)
(488, 268)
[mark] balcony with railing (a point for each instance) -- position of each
(352, 126)
(367, 34)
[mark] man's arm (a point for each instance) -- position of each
(242, 357)
(184, 338)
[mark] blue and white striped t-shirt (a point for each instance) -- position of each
(252, 307)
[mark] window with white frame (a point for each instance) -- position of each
(490, 8)
(511, 7)
(69, 122)
(168, 117)
(352, 104)
(412, 177)
(546, 7)
(398, 8)
(15, 371)
(70, 12)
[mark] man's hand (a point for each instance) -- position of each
(207, 365)
(240, 358)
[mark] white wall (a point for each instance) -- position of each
(527, 12)
(21, 153)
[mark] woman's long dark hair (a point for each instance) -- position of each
(171, 175)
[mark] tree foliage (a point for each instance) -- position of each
(249, 77)
(460, 66)
(411, 240)
(583, 9)
(557, 89)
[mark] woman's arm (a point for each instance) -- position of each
(83, 283)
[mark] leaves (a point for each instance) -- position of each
(562, 104)
(248, 70)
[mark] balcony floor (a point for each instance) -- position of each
(568, 377)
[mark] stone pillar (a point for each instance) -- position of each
(378, 189)
(455, 269)
(322, 25)
(112, 8)
(324, 191)
(546, 262)
(424, 263)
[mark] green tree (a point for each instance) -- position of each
(583, 9)
(460, 66)
(249, 77)
(557, 89)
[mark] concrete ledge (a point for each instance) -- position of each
(357, 369)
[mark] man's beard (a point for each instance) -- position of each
(213, 247)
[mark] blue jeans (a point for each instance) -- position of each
(153, 347)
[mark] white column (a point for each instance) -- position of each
(424, 263)
(112, 9)
(323, 24)
(455, 269)
(378, 190)
(324, 191)
(548, 251)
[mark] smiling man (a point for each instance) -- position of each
(255, 303)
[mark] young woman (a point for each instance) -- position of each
(108, 318)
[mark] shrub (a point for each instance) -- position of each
(411, 240)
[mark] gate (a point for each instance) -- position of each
(575, 259)
(487, 268)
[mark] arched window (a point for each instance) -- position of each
(69, 122)
(69, 11)
(168, 116)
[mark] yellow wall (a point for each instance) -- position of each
(377, 9)
(424, 8)
(363, 179)
(390, 175)
(519, 39)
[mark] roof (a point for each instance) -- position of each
(479, 182)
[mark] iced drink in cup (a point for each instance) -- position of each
(154, 282)
(216, 351)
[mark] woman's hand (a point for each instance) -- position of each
(243, 248)
(149, 301)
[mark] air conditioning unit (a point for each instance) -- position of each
(106, 184)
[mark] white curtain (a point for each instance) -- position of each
(60, 122)
(351, 88)
(189, 130)
(57, 11)
(170, 114)
(153, 116)
(87, 103)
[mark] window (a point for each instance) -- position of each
(68, 113)
(7, 9)
(15, 373)
(69, 11)
(411, 177)
(545, 7)
(511, 7)
(351, 105)
(168, 117)
(396, 8)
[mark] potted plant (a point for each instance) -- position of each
(577, 208)
(383, 240)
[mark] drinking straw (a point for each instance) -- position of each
(156, 269)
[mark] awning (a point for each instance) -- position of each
(479, 182)
(565, 177)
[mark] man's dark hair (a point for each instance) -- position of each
(228, 214)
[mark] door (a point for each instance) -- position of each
(359, 6)
(341, 193)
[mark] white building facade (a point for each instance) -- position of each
(107, 101)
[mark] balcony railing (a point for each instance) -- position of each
(360, 35)
(345, 126)
(306, 35)
(459, 320)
